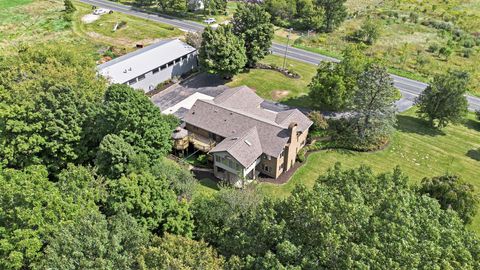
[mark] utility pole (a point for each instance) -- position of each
(286, 48)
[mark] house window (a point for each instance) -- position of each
(163, 67)
(238, 167)
(141, 77)
(132, 81)
(266, 168)
(155, 70)
(217, 159)
(230, 164)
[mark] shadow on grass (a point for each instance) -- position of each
(473, 154)
(209, 183)
(410, 124)
(472, 124)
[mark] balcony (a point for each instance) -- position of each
(181, 144)
(201, 143)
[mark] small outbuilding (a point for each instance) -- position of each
(147, 67)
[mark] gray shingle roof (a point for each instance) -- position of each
(245, 148)
(238, 110)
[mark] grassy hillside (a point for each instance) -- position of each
(39, 21)
(419, 151)
(411, 35)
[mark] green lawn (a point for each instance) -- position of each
(273, 85)
(135, 30)
(418, 150)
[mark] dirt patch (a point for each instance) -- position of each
(89, 18)
(279, 94)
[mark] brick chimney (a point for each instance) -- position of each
(292, 146)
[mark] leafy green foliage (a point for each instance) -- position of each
(452, 193)
(252, 23)
(56, 212)
(113, 156)
(335, 13)
(328, 89)
(94, 242)
(319, 121)
(365, 92)
(214, 7)
(44, 93)
(225, 217)
(368, 33)
(130, 115)
(222, 52)
(177, 252)
(31, 209)
(374, 112)
(443, 100)
(321, 15)
(367, 221)
(150, 201)
(335, 85)
(69, 7)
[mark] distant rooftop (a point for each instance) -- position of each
(134, 64)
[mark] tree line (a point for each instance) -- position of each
(316, 15)
(84, 181)
(210, 7)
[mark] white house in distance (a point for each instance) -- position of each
(147, 67)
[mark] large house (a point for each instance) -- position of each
(244, 138)
(147, 67)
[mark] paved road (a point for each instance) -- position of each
(410, 88)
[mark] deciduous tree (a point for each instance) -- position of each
(367, 221)
(443, 101)
(335, 13)
(130, 115)
(252, 24)
(31, 209)
(335, 84)
(452, 193)
(222, 52)
(178, 252)
(95, 242)
(114, 156)
(151, 201)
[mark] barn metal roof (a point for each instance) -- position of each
(134, 64)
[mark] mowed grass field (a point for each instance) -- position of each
(405, 38)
